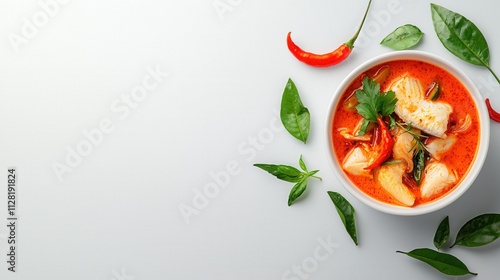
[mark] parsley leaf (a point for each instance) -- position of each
(373, 103)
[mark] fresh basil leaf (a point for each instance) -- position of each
(460, 36)
(291, 174)
(479, 231)
(403, 37)
(282, 172)
(346, 213)
(311, 174)
(442, 233)
(302, 164)
(294, 116)
(445, 263)
(297, 190)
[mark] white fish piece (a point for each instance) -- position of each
(437, 176)
(404, 146)
(437, 147)
(390, 177)
(428, 116)
(356, 160)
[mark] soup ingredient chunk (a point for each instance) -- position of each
(428, 116)
(404, 147)
(438, 147)
(356, 161)
(436, 177)
(390, 178)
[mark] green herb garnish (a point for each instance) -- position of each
(346, 213)
(445, 263)
(291, 174)
(442, 234)
(373, 103)
(479, 231)
(403, 37)
(294, 115)
(461, 37)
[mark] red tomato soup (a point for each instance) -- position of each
(462, 126)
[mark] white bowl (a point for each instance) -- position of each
(484, 135)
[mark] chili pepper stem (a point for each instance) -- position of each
(350, 43)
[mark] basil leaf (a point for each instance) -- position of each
(297, 191)
(442, 233)
(479, 231)
(460, 36)
(294, 116)
(302, 164)
(346, 213)
(282, 172)
(403, 37)
(291, 174)
(445, 263)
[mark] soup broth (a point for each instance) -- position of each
(458, 159)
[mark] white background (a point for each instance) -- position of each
(117, 214)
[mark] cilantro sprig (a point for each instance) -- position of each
(373, 103)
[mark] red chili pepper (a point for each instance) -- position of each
(494, 115)
(383, 144)
(327, 59)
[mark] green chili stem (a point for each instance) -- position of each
(350, 43)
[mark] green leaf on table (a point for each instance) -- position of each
(297, 190)
(291, 174)
(294, 115)
(403, 37)
(461, 37)
(282, 172)
(442, 234)
(346, 213)
(479, 231)
(445, 263)
(302, 164)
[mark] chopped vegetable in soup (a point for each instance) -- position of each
(406, 132)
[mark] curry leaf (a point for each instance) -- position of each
(479, 231)
(403, 37)
(445, 263)
(442, 233)
(294, 116)
(461, 37)
(346, 213)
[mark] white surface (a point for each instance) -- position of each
(116, 215)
